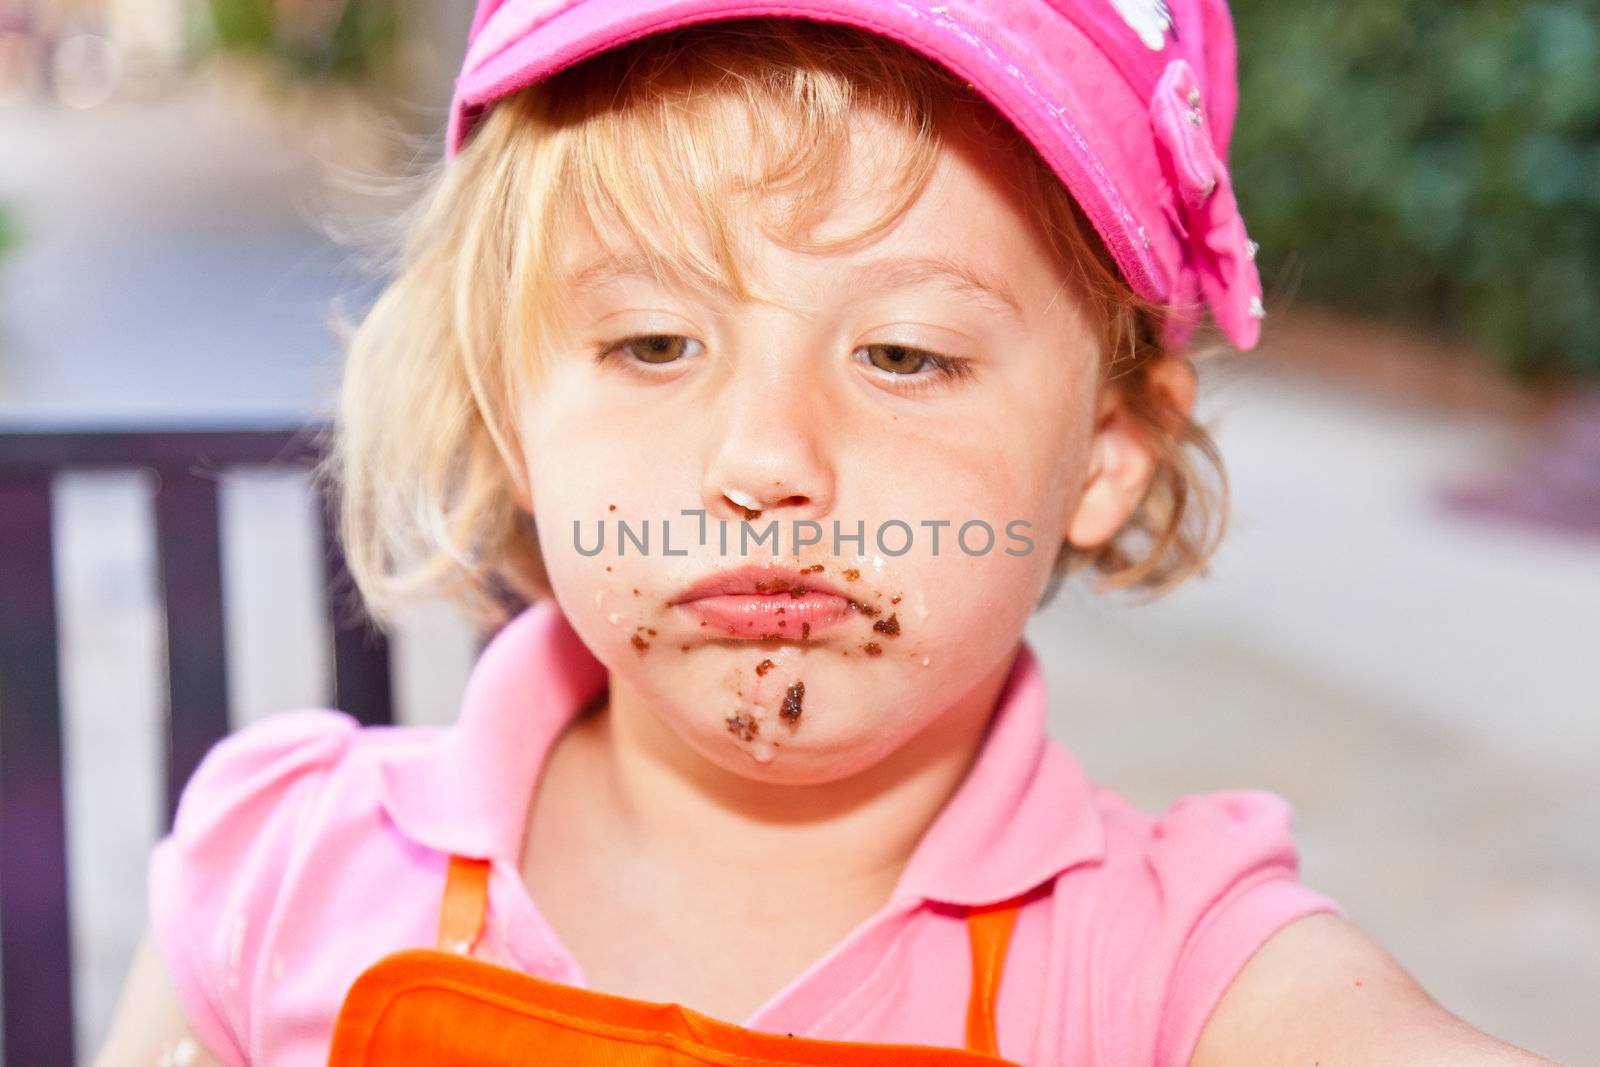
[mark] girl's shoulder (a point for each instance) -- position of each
(261, 787)
(1205, 861)
(1184, 896)
(265, 803)
(270, 791)
(1199, 831)
(244, 774)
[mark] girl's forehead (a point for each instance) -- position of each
(966, 232)
(970, 278)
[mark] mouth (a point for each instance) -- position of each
(758, 603)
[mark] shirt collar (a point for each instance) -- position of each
(469, 793)
(1023, 814)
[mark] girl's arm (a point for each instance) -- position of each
(1320, 990)
(149, 1028)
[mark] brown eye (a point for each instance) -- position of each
(915, 369)
(655, 347)
(897, 359)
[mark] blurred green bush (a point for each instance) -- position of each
(1435, 164)
(351, 44)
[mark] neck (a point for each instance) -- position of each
(623, 781)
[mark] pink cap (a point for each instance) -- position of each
(1131, 102)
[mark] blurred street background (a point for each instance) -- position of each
(1400, 635)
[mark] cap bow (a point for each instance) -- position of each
(1219, 255)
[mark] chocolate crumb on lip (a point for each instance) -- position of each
(640, 643)
(872, 648)
(805, 631)
(813, 569)
(851, 574)
(791, 702)
(890, 626)
(763, 667)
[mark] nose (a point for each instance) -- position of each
(769, 454)
(735, 503)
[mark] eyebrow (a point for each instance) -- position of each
(887, 273)
(609, 267)
(895, 271)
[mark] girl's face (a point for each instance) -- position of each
(940, 377)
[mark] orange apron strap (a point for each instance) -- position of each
(466, 901)
(989, 929)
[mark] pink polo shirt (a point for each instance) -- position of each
(306, 847)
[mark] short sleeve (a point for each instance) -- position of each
(214, 879)
(1229, 872)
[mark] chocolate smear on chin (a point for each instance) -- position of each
(792, 698)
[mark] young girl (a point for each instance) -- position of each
(762, 368)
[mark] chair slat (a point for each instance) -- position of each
(189, 562)
(362, 679)
(36, 952)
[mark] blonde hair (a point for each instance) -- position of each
(423, 465)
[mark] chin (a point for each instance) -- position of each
(800, 721)
(817, 756)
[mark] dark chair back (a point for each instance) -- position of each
(35, 949)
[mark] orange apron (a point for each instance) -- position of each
(441, 1008)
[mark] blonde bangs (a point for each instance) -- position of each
(650, 171)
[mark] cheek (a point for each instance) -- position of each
(981, 512)
(1005, 482)
(586, 476)
(1015, 466)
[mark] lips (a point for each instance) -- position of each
(751, 580)
(760, 602)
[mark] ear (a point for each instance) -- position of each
(1122, 462)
